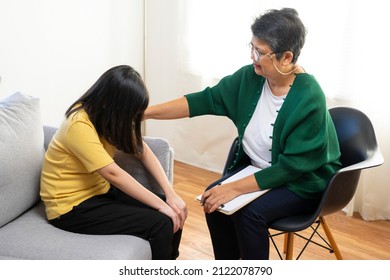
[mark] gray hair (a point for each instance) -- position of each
(282, 30)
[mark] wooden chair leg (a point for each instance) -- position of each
(285, 243)
(331, 240)
(290, 245)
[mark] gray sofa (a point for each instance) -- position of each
(24, 230)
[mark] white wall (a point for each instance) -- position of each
(56, 49)
(160, 57)
(165, 45)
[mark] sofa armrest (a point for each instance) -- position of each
(132, 165)
(48, 133)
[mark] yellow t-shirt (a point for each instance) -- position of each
(69, 174)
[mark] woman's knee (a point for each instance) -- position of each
(249, 216)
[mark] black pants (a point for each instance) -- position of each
(118, 213)
(244, 234)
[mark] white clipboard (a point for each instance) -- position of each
(241, 200)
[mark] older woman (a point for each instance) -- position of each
(283, 127)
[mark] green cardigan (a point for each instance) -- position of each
(305, 149)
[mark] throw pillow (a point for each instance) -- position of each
(21, 154)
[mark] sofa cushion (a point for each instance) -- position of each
(31, 237)
(21, 154)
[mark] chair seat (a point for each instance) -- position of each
(293, 223)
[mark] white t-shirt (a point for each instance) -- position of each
(257, 140)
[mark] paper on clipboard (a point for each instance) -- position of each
(241, 200)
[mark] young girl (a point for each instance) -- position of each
(84, 189)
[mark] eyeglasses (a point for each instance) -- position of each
(258, 54)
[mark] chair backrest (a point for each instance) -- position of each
(355, 134)
(231, 156)
(358, 144)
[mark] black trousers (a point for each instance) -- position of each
(118, 213)
(244, 234)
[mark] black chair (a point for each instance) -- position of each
(359, 150)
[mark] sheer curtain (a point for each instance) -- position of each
(192, 44)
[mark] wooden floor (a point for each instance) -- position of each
(357, 239)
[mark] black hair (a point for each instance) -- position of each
(282, 30)
(115, 104)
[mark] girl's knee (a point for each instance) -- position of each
(163, 228)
